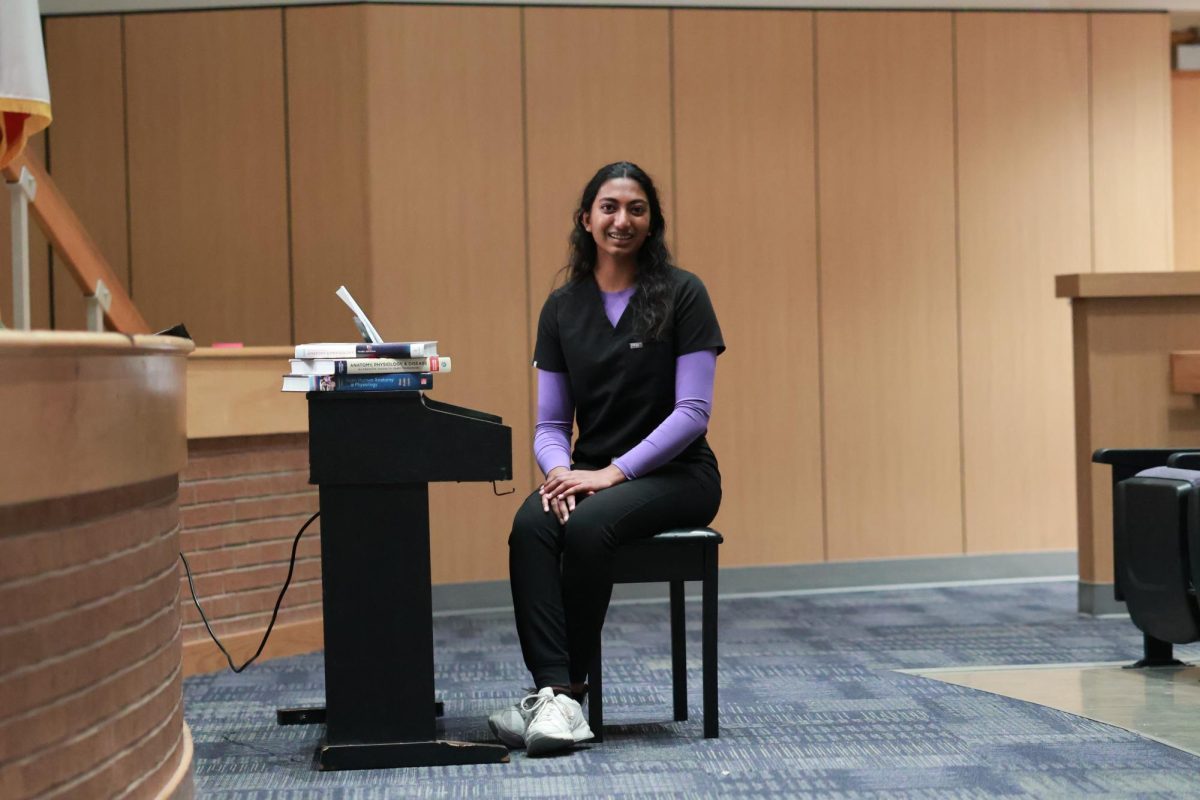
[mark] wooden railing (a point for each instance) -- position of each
(71, 241)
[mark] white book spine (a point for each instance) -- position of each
(326, 350)
(355, 350)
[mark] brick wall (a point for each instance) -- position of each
(241, 502)
(90, 679)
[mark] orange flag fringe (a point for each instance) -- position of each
(24, 86)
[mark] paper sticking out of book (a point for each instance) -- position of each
(361, 322)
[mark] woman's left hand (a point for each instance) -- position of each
(581, 482)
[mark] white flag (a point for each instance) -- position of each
(24, 87)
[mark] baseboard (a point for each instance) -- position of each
(181, 785)
(1097, 599)
(459, 597)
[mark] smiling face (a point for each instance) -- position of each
(619, 219)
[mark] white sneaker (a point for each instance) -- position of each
(509, 724)
(555, 722)
(574, 713)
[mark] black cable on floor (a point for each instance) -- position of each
(274, 614)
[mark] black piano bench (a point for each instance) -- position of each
(674, 556)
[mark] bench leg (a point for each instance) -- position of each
(596, 697)
(1156, 653)
(709, 643)
(678, 652)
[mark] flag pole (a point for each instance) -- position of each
(21, 192)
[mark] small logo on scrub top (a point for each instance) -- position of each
(635, 345)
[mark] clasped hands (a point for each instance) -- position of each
(563, 485)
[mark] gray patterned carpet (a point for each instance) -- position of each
(810, 707)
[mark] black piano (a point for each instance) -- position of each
(373, 455)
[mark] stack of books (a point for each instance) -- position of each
(351, 367)
(370, 366)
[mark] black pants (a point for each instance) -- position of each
(561, 575)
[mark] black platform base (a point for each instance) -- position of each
(1156, 653)
(387, 755)
(314, 715)
(1155, 662)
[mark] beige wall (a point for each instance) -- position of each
(1185, 123)
(89, 141)
(888, 299)
(876, 200)
(740, 186)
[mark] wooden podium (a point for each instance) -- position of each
(1126, 326)
(373, 456)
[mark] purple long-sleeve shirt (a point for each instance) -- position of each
(694, 374)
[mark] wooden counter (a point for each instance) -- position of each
(235, 392)
(1125, 327)
(85, 412)
(92, 438)
(1127, 284)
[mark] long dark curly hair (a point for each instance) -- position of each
(651, 304)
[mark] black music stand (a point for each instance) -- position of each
(373, 455)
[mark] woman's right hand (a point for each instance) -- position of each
(561, 507)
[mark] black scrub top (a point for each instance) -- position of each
(622, 382)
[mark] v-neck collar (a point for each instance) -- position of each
(603, 298)
(599, 304)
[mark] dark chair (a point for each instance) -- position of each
(674, 556)
(1156, 545)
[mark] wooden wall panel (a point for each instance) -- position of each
(1023, 218)
(597, 90)
(437, 154)
(1185, 154)
(1131, 141)
(746, 225)
(39, 258)
(1125, 399)
(447, 234)
(83, 58)
(207, 173)
(327, 129)
(889, 318)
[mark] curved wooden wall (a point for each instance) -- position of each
(876, 200)
(90, 678)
